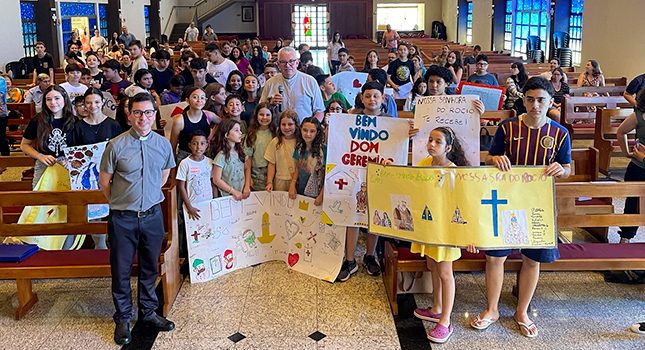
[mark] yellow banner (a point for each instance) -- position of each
(460, 206)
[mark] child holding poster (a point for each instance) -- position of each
(193, 174)
(279, 153)
(529, 139)
(262, 130)
(444, 150)
(228, 172)
(310, 156)
(372, 98)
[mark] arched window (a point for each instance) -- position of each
(29, 36)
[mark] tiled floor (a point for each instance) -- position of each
(271, 307)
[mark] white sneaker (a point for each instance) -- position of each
(623, 240)
(638, 328)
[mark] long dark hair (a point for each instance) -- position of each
(254, 125)
(367, 66)
(220, 143)
(340, 39)
(46, 117)
(415, 87)
(316, 144)
(258, 62)
(458, 63)
(229, 89)
(245, 94)
(121, 117)
(456, 154)
(521, 78)
(595, 72)
(139, 74)
(238, 58)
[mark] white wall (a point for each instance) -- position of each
(611, 35)
(482, 23)
(167, 21)
(11, 38)
(432, 12)
(230, 19)
(449, 16)
(132, 17)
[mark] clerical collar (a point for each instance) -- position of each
(136, 135)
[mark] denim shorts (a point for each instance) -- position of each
(539, 255)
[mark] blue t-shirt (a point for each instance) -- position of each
(486, 79)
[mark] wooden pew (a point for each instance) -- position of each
(600, 90)
(582, 109)
(605, 140)
(78, 263)
(618, 81)
(27, 111)
(573, 257)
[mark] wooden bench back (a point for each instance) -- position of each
(568, 216)
(607, 120)
(584, 167)
(615, 81)
(577, 108)
(601, 90)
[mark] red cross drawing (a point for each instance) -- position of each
(195, 236)
(341, 183)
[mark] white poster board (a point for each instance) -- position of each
(453, 111)
(355, 140)
(349, 84)
(168, 112)
(83, 163)
(267, 226)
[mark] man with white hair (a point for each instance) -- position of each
(292, 89)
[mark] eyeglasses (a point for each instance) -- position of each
(290, 62)
(335, 109)
(148, 113)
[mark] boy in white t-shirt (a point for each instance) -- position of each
(218, 66)
(194, 175)
(73, 85)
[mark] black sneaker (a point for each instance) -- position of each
(347, 270)
(371, 265)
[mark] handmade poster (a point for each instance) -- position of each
(109, 105)
(83, 164)
(55, 178)
(460, 206)
(404, 91)
(349, 84)
(491, 96)
(453, 111)
(167, 112)
(355, 140)
(232, 234)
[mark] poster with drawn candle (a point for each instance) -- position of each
(455, 112)
(267, 226)
(354, 141)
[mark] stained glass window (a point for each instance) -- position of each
(103, 21)
(78, 9)
(575, 31)
(146, 12)
(29, 36)
(469, 23)
(531, 18)
(311, 25)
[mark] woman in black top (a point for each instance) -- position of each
(559, 85)
(96, 127)
(50, 132)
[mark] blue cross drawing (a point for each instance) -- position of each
(494, 202)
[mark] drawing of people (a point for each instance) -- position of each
(228, 259)
(457, 218)
(199, 268)
(376, 219)
(361, 199)
(386, 222)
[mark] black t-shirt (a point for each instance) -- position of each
(42, 65)
(99, 77)
(86, 134)
(636, 85)
(161, 79)
(56, 141)
(400, 72)
(189, 81)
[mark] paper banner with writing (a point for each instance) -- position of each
(454, 111)
(109, 105)
(267, 226)
(461, 206)
(355, 140)
(491, 96)
(83, 164)
(168, 112)
(349, 84)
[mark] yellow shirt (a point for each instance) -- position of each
(436, 253)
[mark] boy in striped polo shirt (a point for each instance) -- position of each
(529, 139)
